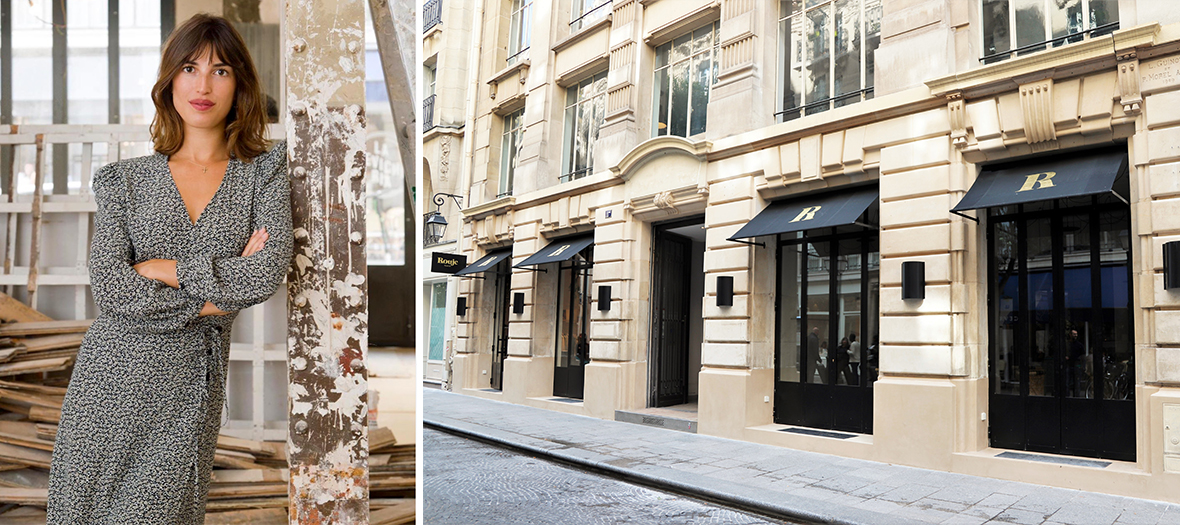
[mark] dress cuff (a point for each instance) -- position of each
(191, 272)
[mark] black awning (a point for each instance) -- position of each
(1056, 178)
(808, 213)
(560, 250)
(485, 263)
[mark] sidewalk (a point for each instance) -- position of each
(779, 481)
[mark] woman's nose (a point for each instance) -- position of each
(203, 84)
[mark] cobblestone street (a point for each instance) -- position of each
(471, 483)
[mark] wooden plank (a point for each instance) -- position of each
(46, 431)
(13, 311)
(399, 514)
(248, 517)
(47, 354)
(224, 461)
(23, 434)
(246, 503)
(25, 478)
(243, 445)
(44, 328)
(381, 438)
(45, 415)
(36, 365)
(38, 197)
(37, 497)
(41, 400)
(50, 342)
(25, 456)
(249, 475)
(247, 490)
(33, 387)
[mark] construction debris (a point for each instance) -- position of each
(250, 478)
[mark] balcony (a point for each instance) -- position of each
(428, 114)
(431, 15)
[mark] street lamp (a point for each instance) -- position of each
(436, 224)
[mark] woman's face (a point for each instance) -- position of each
(203, 91)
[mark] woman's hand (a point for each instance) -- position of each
(256, 243)
(209, 309)
(163, 270)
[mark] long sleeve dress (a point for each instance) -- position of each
(142, 413)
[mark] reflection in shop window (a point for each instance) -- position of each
(1019, 27)
(584, 112)
(826, 49)
(686, 69)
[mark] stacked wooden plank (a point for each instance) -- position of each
(249, 479)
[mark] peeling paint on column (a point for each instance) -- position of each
(328, 324)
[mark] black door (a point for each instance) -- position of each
(671, 271)
(827, 328)
(1061, 356)
(503, 276)
(573, 323)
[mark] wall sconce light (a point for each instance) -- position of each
(725, 290)
(436, 224)
(913, 280)
(1171, 265)
(518, 302)
(461, 306)
(604, 298)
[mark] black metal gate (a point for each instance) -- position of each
(573, 320)
(1061, 354)
(671, 272)
(503, 291)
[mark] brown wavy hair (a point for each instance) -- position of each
(245, 129)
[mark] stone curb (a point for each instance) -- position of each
(752, 499)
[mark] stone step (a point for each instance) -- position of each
(657, 420)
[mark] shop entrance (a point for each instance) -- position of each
(503, 290)
(678, 251)
(573, 319)
(1062, 361)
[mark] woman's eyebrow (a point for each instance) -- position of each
(219, 64)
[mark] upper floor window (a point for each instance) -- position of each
(1019, 27)
(510, 150)
(686, 69)
(826, 51)
(520, 30)
(584, 13)
(585, 109)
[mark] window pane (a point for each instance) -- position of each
(818, 51)
(869, 345)
(662, 89)
(585, 116)
(789, 308)
(1042, 354)
(679, 117)
(791, 42)
(662, 55)
(571, 126)
(681, 48)
(872, 40)
(847, 78)
(818, 290)
(438, 309)
(1119, 363)
(1066, 19)
(849, 306)
(1030, 23)
(1081, 335)
(1103, 12)
(1006, 279)
(996, 35)
(789, 7)
(702, 74)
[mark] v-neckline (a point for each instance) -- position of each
(179, 197)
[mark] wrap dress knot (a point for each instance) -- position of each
(143, 409)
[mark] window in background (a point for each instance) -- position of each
(520, 29)
(686, 69)
(1019, 27)
(584, 13)
(826, 51)
(584, 112)
(510, 150)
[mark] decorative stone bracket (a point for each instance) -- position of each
(1036, 102)
(680, 201)
(956, 111)
(1129, 96)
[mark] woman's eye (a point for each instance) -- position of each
(223, 72)
(188, 69)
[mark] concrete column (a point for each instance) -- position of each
(328, 330)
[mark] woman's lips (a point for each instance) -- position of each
(201, 105)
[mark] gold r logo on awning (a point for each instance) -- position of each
(807, 214)
(1040, 180)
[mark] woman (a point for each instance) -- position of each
(183, 240)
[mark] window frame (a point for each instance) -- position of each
(574, 102)
(582, 17)
(712, 52)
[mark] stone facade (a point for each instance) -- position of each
(938, 115)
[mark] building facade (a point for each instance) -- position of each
(699, 214)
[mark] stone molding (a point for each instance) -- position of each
(686, 200)
(656, 147)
